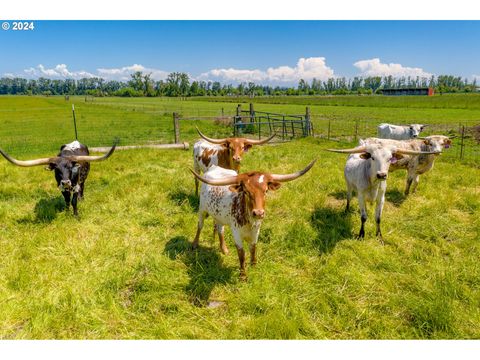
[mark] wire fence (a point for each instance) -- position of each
(29, 127)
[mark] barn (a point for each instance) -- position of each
(409, 91)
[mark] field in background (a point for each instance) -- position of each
(124, 269)
(150, 120)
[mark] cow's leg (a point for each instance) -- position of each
(74, 203)
(416, 179)
(80, 192)
(363, 215)
(241, 252)
(253, 245)
(66, 196)
(201, 217)
(378, 210)
(221, 236)
(197, 170)
(410, 177)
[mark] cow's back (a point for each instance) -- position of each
(217, 200)
(73, 148)
(206, 154)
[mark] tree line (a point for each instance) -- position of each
(179, 85)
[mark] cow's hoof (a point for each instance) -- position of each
(243, 276)
(224, 250)
(194, 246)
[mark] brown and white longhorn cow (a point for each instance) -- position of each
(237, 200)
(226, 153)
(366, 173)
(71, 166)
(416, 165)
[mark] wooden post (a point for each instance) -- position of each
(356, 129)
(252, 113)
(176, 128)
(307, 122)
(239, 110)
(461, 143)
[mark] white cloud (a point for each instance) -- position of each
(306, 68)
(58, 72)
(373, 67)
(61, 71)
(123, 73)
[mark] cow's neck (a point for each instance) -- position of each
(242, 209)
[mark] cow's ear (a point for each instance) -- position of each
(365, 156)
(247, 147)
(51, 166)
(274, 185)
(236, 187)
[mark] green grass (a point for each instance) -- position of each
(125, 270)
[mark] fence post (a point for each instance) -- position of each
(239, 109)
(356, 129)
(461, 143)
(307, 122)
(252, 113)
(176, 128)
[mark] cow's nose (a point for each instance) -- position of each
(66, 182)
(237, 158)
(381, 175)
(414, 136)
(258, 213)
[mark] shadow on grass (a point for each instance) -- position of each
(332, 225)
(46, 210)
(339, 195)
(179, 197)
(395, 197)
(205, 268)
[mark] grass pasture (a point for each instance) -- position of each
(124, 269)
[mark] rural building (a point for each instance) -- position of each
(409, 91)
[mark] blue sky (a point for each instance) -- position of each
(276, 52)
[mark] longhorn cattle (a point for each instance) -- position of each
(416, 165)
(237, 200)
(226, 153)
(399, 132)
(366, 173)
(71, 167)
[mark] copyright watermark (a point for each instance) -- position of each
(18, 25)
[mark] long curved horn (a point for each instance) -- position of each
(412, 152)
(358, 149)
(89, 158)
(290, 177)
(260, 142)
(220, 182)
(213, 141)
(26, 163)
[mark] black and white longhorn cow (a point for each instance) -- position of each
(71, 167)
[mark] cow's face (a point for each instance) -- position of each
(66, 173)
(255, 186)
(380, 159)
(237, 146)
(438, 142)
(415, 130)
